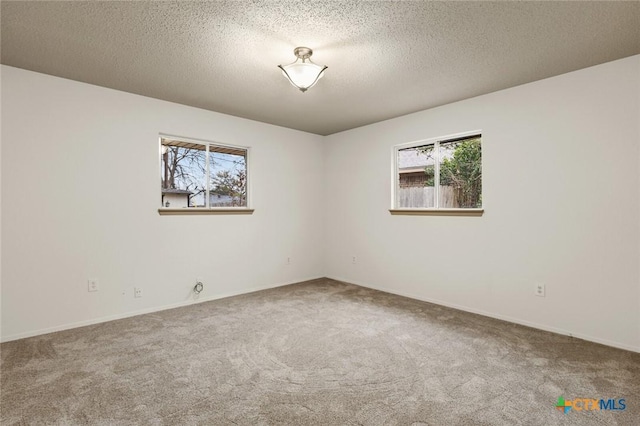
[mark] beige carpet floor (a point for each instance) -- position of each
(314, 353)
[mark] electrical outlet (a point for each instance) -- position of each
(540, 290)
(92, 285)
(137, 292)
(354, 260)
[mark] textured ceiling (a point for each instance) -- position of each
(385, 58)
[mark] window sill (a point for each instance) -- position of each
(199, 211)
(437, 212)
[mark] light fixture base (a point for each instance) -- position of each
(303, 52)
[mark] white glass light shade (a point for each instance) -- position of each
(303, 73)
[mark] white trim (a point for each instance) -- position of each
(247, 186)
(437, 212)
(200, 141)
(445, 138)
(506, 318)
(379, 288)
(146, 311)
(207, 191)
(395, 176)
(166, 211)
(436, 176)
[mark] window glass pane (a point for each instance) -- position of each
(460, 174)
(416, 177)
(228, 168)
(184, 171)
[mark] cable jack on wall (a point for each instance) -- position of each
(198, 287)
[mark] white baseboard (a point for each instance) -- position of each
(496, 316)
(144, 311)
(266, 287)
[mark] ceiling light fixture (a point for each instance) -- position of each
(303, 73)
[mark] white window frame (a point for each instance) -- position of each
(208, 209)
(395, 210)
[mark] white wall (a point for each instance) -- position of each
(562, 198)
(80, 192)
(0, 203)
(561, 190)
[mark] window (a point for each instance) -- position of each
(440, 174)
(198, 175)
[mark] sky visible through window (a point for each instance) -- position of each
(185, 178)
